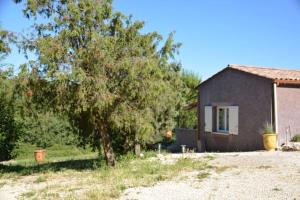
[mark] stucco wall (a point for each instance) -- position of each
(186, 137)
(252, 94)
(288, 108)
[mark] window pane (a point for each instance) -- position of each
(222, 119)
(227, 119)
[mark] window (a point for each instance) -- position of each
(221, 119)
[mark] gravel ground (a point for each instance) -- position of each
(241, 176)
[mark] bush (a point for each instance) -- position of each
(296, 138)
(8, 129)
(47, 129)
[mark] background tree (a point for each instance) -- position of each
(187, 117)
(8, 126)
(95, 65)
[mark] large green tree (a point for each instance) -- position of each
(95, 65)
(8, 126)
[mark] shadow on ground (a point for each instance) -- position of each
(78, 164)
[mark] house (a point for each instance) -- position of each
(236, 103)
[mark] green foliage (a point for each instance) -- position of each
(296, 138)
(44, 129)
(268, 129)
(187, 117)
(95, 65)
(8, 126)
(5, 38)
(8, 130)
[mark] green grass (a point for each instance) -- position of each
(87, 176)
(26, 151)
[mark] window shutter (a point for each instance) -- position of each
(234, 120)
(208, 119)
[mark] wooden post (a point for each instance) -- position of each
(137, 149)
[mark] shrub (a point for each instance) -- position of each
(45, 129)
(296, 138)
(8, 129)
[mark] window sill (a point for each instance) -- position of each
(221, 133)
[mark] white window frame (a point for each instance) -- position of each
(226, 113)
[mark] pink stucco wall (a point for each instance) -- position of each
(288, 108)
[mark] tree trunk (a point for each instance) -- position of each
(107, 146)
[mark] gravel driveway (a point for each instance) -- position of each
(249, 175)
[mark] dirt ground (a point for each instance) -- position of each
(249, 175)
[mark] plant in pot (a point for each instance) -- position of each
(269, 137)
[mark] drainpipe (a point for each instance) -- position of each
(275, 106)
(275, 110)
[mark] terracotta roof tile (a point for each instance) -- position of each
(270, 73)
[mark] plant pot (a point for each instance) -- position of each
(39, 155)
(270, 141)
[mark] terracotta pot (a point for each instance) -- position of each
(270, 141)
(169, 134)
(39, 155)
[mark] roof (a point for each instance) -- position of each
(270, 73)
(284, 76)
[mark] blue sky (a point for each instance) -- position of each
(214, 33)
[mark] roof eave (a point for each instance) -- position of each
(285, 82)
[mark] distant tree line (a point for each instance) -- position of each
(97, 80)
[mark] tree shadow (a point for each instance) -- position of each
(78, 164)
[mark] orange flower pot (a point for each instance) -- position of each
(39, 155)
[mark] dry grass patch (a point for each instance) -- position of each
(224, 168)
(96, 181)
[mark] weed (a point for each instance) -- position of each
(209, 157)
(296, 138)
(276, 189)
(203, 175)
(224, 168)
(40, 179)
(264, 167)
(28, 194)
